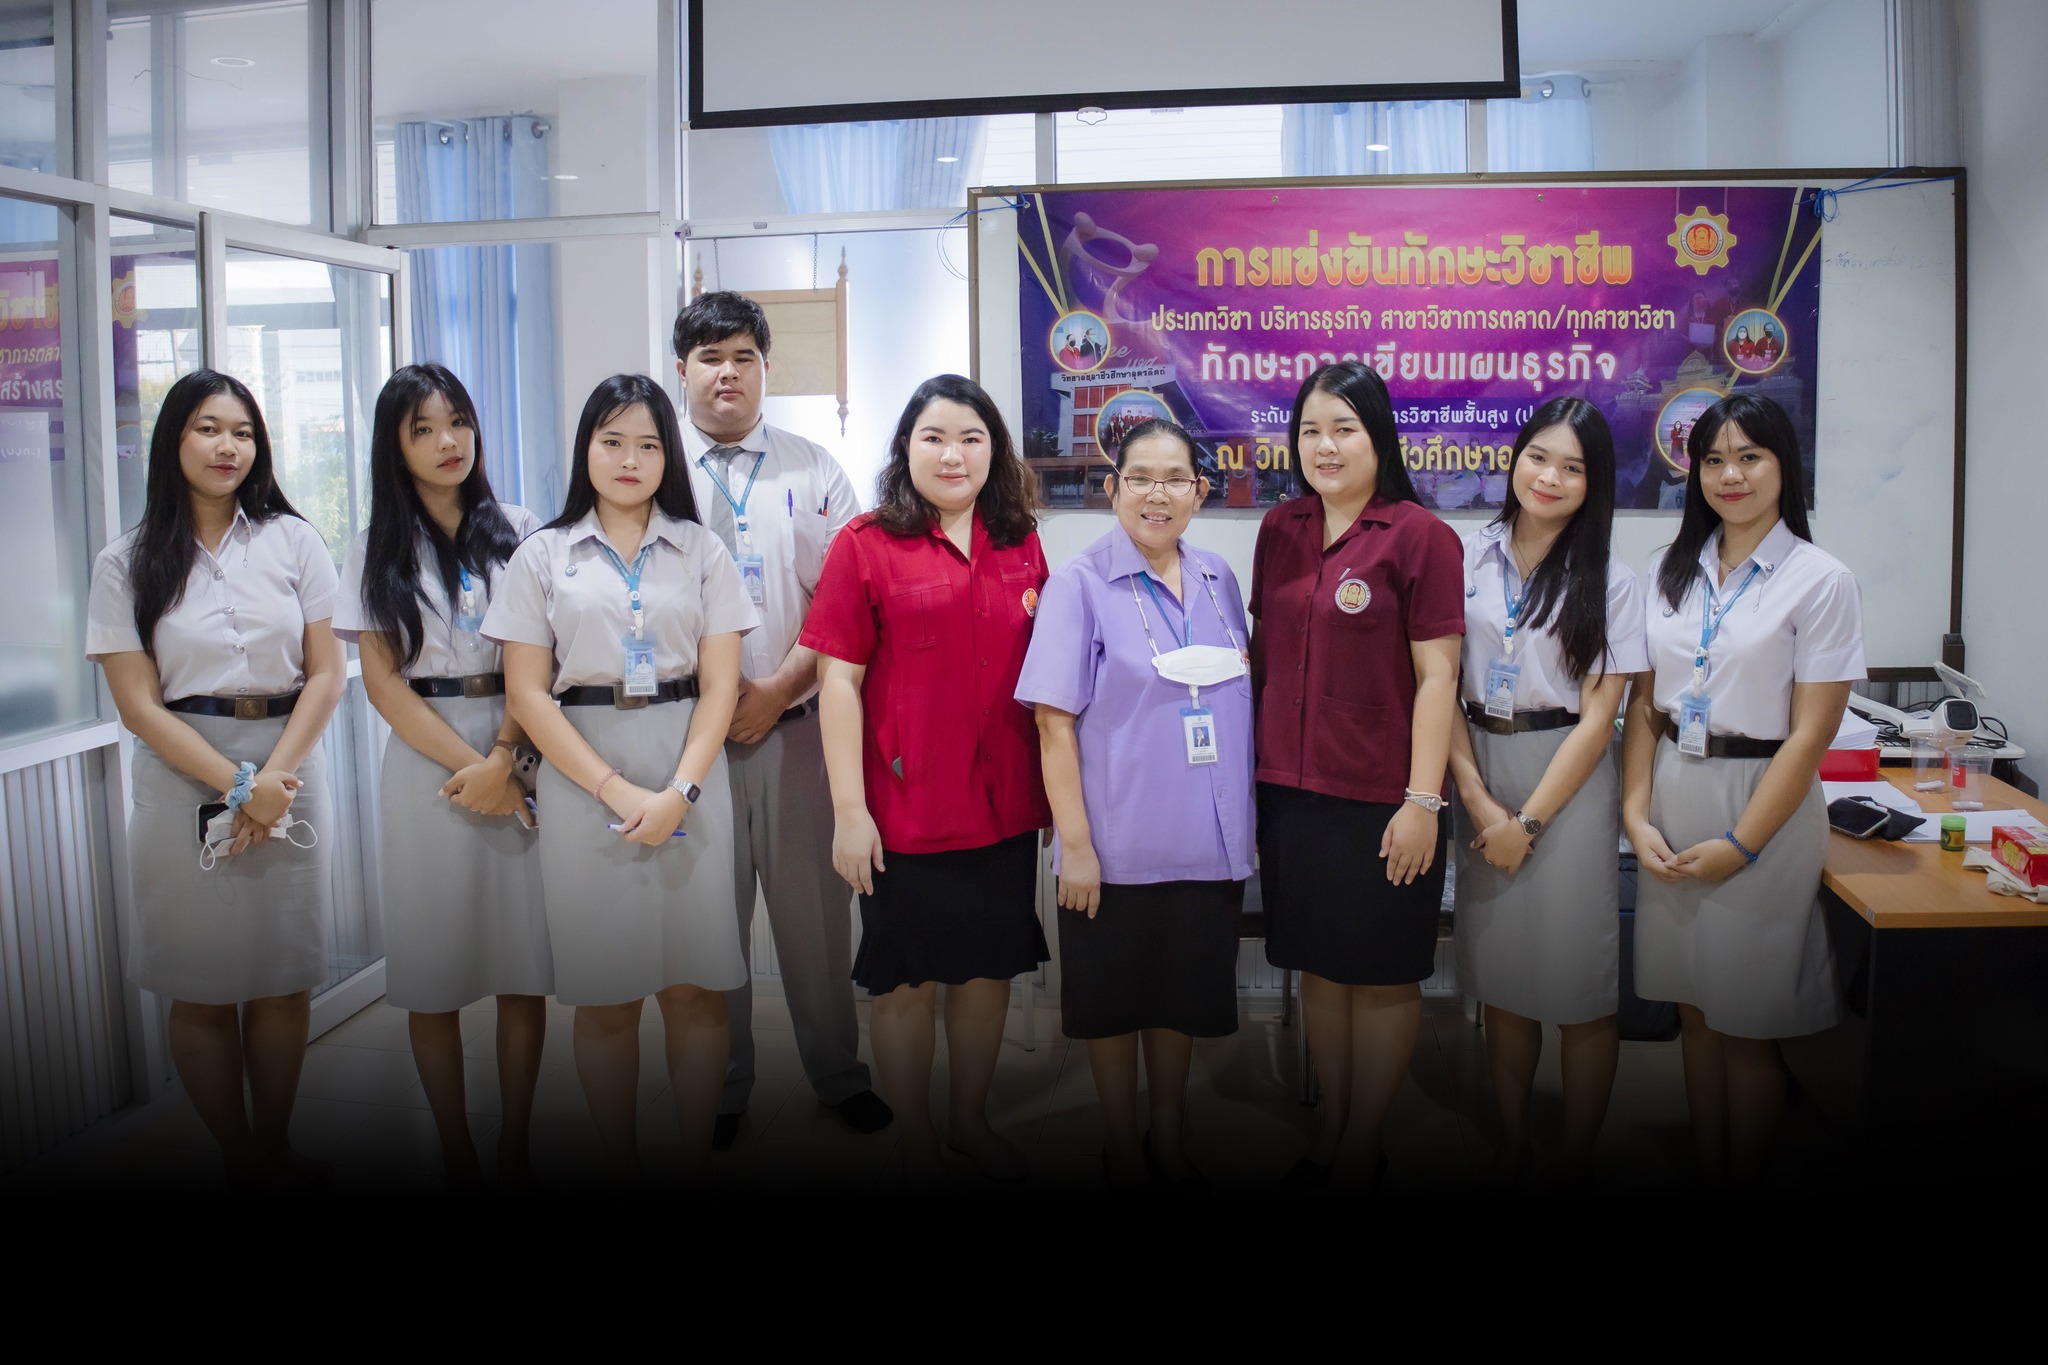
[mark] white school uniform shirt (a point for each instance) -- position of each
(800, 501)
(240, 628)
(445, 652)
(1545, 682)
(561, 591)
(1800, 622)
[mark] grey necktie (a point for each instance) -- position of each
(718, 516)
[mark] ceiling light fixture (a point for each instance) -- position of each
(947, 160)
(1377, 147)
(1091, 114)
(565, 177)
(1547, 89)
(234, 61)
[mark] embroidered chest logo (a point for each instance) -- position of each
(1354, 595)
(1031, 601)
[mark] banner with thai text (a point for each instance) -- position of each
(1477, 304)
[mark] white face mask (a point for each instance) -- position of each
(220, 836)
(1200, 665)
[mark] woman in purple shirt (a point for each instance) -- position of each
(1138, 672)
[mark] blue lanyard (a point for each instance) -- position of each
(1513, 606)
(1710, 619)
(632, 577)
(739, 505)
(1187, 618)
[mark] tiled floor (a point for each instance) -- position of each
(361, 1107)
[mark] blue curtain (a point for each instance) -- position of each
(1538, 134)
(883, 164)
(1422, 137)
(488, 312)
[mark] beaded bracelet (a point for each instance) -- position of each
(245, 781)
(597, 792)
(1730, 837)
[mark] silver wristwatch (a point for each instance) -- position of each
(1531, 826)
(690, 790)
(1429, 801)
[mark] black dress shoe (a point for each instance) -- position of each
(726, 1131)
(864, 1112)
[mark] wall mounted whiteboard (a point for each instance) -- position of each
(1886, 437)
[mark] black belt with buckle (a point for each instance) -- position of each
(470, 685)
(1543, 718)
(240, 708)
(803, 708)
(1730, 746)
(614, 694)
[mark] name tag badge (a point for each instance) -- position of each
(753, 573)
(1693, 714)
(1198, 729)
(467, 617)
(637, 672)
(1501, 680)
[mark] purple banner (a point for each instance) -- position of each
(1476, 304)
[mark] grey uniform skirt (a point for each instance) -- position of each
(462, 892)
(254, 926)
(1544, 943)
(1751, 953)
(626, 920)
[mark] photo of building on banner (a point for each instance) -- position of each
(1477, 305)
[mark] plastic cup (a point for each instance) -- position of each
(1969, 773)
(1930, 767)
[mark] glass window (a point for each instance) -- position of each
(156, 339)
(1374, 137)
(1549, 129)
(45, 681)
(216, 104)
(28, 86)
(1222, 142)
(445, 73)
(313, 343)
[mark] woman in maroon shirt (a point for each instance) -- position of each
(1359, 595)
(923, 616)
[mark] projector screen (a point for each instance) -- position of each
(758, 62)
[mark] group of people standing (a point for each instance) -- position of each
(608, 727)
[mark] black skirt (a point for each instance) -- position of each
(1330, 909)
(1162, 955)
(952, 917)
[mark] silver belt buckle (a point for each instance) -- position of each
(252, 708)
(624, 702)
(480, 685)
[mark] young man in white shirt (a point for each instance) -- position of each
(775, 500)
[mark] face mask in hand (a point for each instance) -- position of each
(220, 836)
(1199, 665)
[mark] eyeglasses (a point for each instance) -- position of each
(1143, 484)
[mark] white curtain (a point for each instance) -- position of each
(488, 312)
(1538, 134)
(881, 164)
(1422, 137)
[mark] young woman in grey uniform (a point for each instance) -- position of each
(621, 622)
(211, 619)
(460, 866)
(1754, 637)
(1553, 631)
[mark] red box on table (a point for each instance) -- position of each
(2022, 852)
(1849, 765)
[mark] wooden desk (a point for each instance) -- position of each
(1917, 886)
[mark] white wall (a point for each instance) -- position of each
(732, 174)
(2005, 561)
(1833, 105)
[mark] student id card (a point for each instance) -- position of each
(1502, 676)
(1693, 715)
(753, 573)
(1198, 729)
(637, 672)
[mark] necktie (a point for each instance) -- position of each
(718, 511)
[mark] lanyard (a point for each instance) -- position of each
(1514, 607)
(739, 504)
(632, 577)
(1711, 619)
(1188, 620)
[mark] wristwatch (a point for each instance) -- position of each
(1531, 826)
(690, 790)
(1429, 801)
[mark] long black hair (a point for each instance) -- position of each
(1763, 422)
(165, 543)
(1360, 385)
(1572, 579)
(1008, 501)
(610, 398)
(392, 591)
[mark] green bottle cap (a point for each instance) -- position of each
(1955, 822)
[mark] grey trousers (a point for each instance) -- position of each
(782, 811)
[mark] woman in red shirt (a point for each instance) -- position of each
(923, 616)
(1360, 598)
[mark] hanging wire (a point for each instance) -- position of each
(1826, 203)
(959, 220)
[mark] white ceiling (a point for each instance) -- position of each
(1571, 35)
(463, 57)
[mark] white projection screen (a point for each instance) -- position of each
(760, 62)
